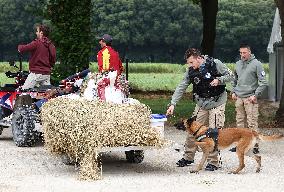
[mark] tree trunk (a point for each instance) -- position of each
(209, 13)
(280, 111)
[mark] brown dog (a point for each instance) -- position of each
(243, 138)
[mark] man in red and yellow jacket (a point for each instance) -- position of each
(108, 58)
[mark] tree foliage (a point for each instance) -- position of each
(71, 21)
(149, 26)
(172, 26)
(17, 21)
(249, 21)
(143, 30)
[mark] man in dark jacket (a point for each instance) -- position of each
(42, 58)
(208, 77)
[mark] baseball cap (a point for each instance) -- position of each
(106, 37)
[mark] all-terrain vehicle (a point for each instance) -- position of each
(18, 108)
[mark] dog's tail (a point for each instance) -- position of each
(269, 137)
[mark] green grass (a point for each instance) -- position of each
(149, 67)
(133, 67)
(4, 79)
(154, 81)
(142, 76)
(4, 67)
(160, 76)
(156, 68)
(184, 108)
(149, 77)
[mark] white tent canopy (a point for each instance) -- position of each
(276, 60)
(275, 36)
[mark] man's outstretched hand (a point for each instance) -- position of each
(170, 110)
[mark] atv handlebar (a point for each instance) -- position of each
(10, 74)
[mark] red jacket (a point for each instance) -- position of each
(43, 55)
(109, 59)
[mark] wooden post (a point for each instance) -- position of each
(126, 68)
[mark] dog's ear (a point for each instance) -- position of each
(191, 119)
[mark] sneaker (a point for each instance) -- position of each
(211, 167)
(234, 149)
(183, 162)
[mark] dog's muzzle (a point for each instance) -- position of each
(180, 125)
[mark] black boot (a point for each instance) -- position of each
(211, 167)
(183, 162)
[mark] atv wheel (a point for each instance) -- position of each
(23, 125)
(134, 156)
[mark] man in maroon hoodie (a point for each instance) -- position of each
(42, 58)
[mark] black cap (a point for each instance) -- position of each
(106, 37)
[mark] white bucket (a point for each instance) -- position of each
(158, 123)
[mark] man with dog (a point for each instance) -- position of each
(248, 85)
(209, 77)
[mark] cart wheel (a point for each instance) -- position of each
(134, 156)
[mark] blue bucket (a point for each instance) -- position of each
(158, 116)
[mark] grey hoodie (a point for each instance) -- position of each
(250, 78)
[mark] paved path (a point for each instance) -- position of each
(34, 169)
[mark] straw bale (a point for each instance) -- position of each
(79, 127)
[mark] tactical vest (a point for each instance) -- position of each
(202, 77)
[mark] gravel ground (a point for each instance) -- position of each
(34, 169)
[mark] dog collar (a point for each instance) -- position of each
(200, 137)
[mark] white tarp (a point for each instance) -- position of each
(275, 33)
